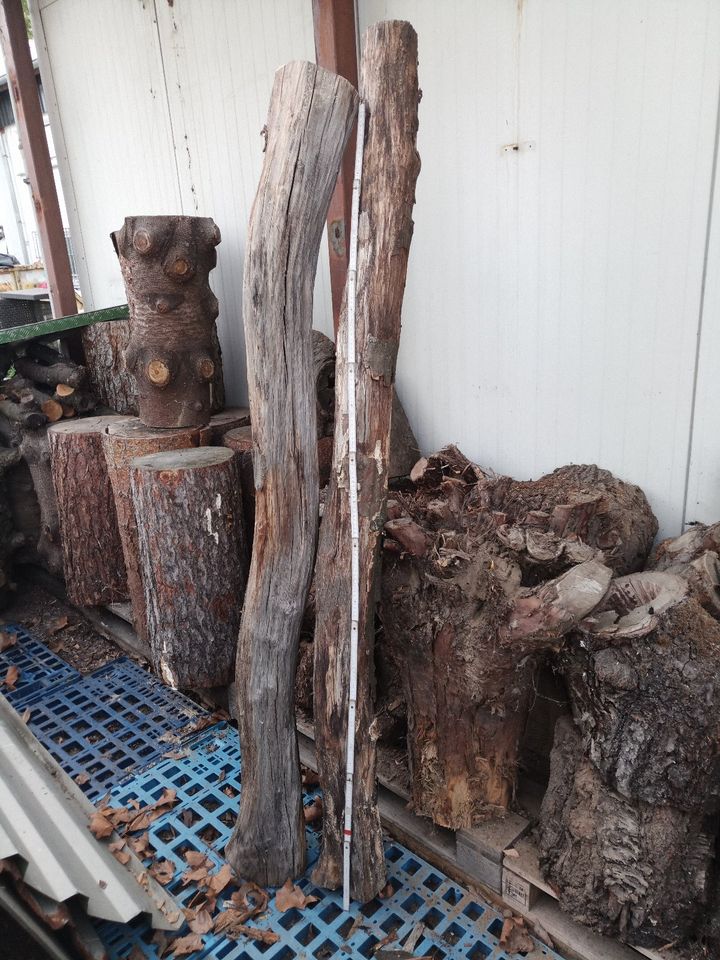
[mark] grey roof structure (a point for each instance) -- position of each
(44, 819)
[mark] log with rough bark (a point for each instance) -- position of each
(628, 869)
(35, 450)
(389, 86)
(311, 114)
(643, 673)
(240, 440)
(112, 383)
(173, 351)
(63, 371)
(221, 423)
(93, 560)
(11, 539)
(192, 555)
(122, 442)
(463, 615)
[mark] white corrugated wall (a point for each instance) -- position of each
(563, 298)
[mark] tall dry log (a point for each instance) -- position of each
(173, 352)
(122, 442)
(389, 86)
(643, 672)
(311, 114)
(93, 560)
(188, 511)
(464, 612)
(628, 869)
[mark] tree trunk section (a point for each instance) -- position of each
(240, 440)
(188, 511)
(694, 556)
(221, 423)
(644, 682)
(92, 549)
(627, 869)
(389, 85)
(311, 114)
(122, 442)
(479, 584)
(173, 351)
(112, 383)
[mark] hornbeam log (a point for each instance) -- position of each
(389, 86)
(240, 440)
(123, 441)
(61, 372)
(173, 351)
(220, 423)
(643, 673)
(311, 114)
(466, 617)
(92, 549)
(26, 417)
(112, 383)
(628, 869)
(188, 511)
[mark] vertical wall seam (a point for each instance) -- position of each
(703, 284)
(169, 108)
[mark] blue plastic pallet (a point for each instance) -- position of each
(457, 924)
(40, 668)
(110, 722)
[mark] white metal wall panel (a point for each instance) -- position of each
(553, 295)
(161, 108)
(220, 58)
(703, 498)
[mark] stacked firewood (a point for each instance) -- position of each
(40, 388)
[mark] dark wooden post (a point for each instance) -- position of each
(389, 86)
(311, 113)
(336, 50)
(31, 127)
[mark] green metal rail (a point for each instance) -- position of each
(59, 325)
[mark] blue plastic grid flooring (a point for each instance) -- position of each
(117, 723)
(40, 668)
(109, 723)
(457, 925)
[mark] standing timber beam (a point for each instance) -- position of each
(389, 86)
(336, 50)
(311, 114)
(31, 127)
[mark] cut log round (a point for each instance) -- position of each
(625, 868)
(389, 86)
(192, 555)
(643, 674)
(220, 423)
(123, 441)
(62, 372)
(465, 633)
(92, 549)
(311, 114)
(173, 351)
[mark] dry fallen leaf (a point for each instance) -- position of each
(511, 852)
(228, 923)
(194, 858)
(290, 895)
(7, 640)
(184, 946)
(117, 848)
(221, 879)
(26, 714)
(11, 677)
(202, 922)
(514, 937)
(141, 845)
(57, 625)
(81, 778)
(100, 826)
(163, 871)
(387, 891)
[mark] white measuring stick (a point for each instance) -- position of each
(353, 496)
